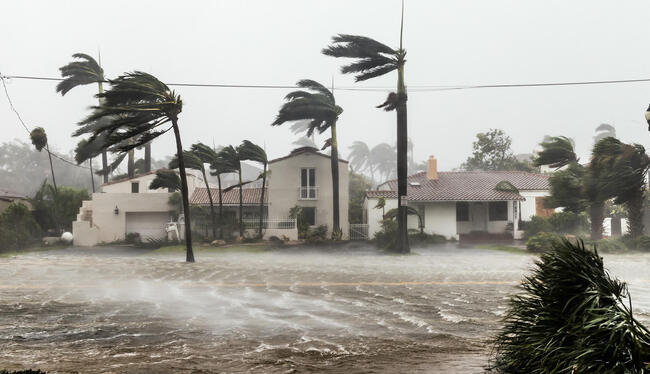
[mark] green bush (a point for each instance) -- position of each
(571, 317)
(316, 235)
(569, 222)
(386, 238)
(542, 241)
(18, 229)
(536, 225)
(643, 242)
(422, 238)
(64, 212)
(611, 245)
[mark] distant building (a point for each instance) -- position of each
(7, 197)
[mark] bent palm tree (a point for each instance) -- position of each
(39, 140)
(375, 59)
(232, 160)
(253, 152)
(317, 105)
(80, 73)
(135, 108)
(218, 166)
(193, 161)
(359, 157)
(166, 179)
(557, 152)
(207, 155)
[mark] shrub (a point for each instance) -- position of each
(571, 318)
(569, 222)
(133, 238)
(386, 238)
(18, 229)
(68, 202)
(608, 245)
(542, 241)
(316, 235)
(422, 238)
(536, 225)
(643, 242)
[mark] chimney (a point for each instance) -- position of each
(432, 168)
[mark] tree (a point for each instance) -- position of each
(231, 159)
(253, 152)
(193, 161)
(167, 179)
(557, 152)
(491, 151)
(54, 210)
(623, 169)
(358, 186)
(39, 140)
(135, 108)
(83, 72)
(381, 204)
(374, 59)
(359, 157)
(317, 105)
(207, 155)
(220, 165)
(571, 317)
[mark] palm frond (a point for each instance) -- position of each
(190, 159)
(204, 153)
(39, 138)
(251, 151)
(557, 151)
(79, 73)
(168, 179)
(375, 58)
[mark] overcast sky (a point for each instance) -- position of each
(279, 42)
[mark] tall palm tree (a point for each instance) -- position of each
(231, 158)
(623, 169)
(375, 59)
(382, 157)
(253, 152)
(86, 70)
(39, 140)
(359, 158)
(136, 107)
(317, 105)
(193, 161)
(207, 155)
(219, 165)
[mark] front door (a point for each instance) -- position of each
(479, 216)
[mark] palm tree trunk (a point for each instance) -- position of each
(261, 234)
(184, 193)
(597, 215)
(147, 157)
(241, 205)
(212, 216)
(92, 175)
(220, 208)
(56, 190)
(130, 166)
(402, 164)
(334, 159)
(104, 154)
(635, 215)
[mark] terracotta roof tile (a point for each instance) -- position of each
(251, 196)
(464, 186)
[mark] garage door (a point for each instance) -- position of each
(147, 224)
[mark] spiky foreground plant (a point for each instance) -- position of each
(571, 318)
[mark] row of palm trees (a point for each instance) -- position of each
(615, 171)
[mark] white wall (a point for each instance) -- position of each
(440, 218)
(284, 184)
(528, 207)
(375, 215)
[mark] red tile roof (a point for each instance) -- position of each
(464, 186)
(250, 196)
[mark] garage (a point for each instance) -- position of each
(147, 224)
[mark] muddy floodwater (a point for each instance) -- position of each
(353, 311)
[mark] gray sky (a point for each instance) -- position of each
(279, 42)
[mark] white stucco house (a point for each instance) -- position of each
(126, 206)
(460, 203)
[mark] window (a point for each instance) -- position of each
(135, 187)
(498, 211)
(308, 183)
(309, 215)
(462, 211)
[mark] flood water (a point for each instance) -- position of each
(356, 311)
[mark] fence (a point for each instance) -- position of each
(358, 231)
(273, 224)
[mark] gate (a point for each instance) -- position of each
(358, 231)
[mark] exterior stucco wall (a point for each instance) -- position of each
(284, 185)
(528, 207)
(108, 226)
(440, 218)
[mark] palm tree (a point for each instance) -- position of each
(557, 152)
(39, 140)
(382, 157)
(253, 152)
(166, 179)
(89, 71)
(317, 105)
(232, 160)
(136, 107)
(375, 59)
(208, 155)
(359, 158)
(381, 204)
(219, 165)
(193, 161)
(623, 169)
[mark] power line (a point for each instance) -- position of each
(20, 119)
(416, 88)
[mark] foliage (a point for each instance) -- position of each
(536, 225)
(167, 179)
(81, 72)
(569, 222)
(39, 138)
(491, 151)
(317, 234)
(175, 201)
(567, 189)
(301, 223)
(386, 238)
(542, 241)
(18, 229)
(643, 242)
(65, 206)
(358, 185)
(374, 58)
(421, 238)
(557, 152)
(572, 317)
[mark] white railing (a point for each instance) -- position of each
(308, 193)
(273, 224)
(358, 231)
